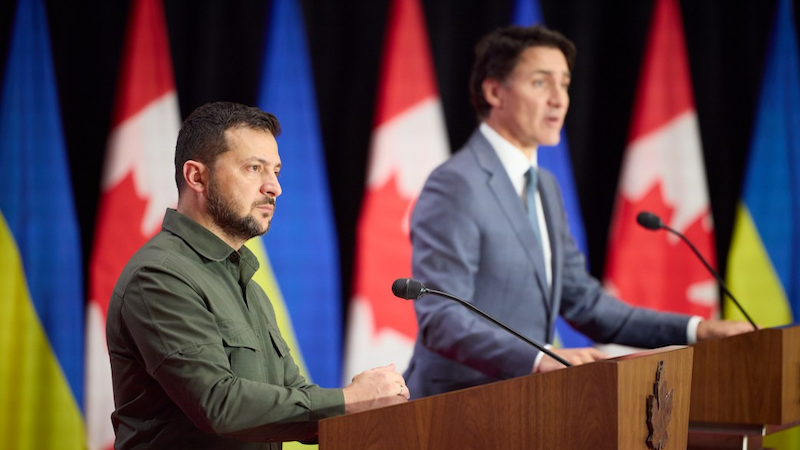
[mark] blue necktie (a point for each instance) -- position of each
(530, 202)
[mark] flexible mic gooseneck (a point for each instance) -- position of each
(653, 222)
(411, 289)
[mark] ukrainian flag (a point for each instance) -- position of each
(763, 264)
(300, 252)
(41, 325)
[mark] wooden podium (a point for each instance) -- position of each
(745, 387)
(603, 405)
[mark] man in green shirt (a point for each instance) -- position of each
(197, 359)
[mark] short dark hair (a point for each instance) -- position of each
(202, 135)
(497, 54)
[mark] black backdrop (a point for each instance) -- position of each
(217, 50)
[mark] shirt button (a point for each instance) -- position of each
(234, 258)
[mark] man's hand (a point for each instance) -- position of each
(574, 356)
(375, 388)
(710, 329)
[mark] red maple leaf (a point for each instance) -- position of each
(656, 269)
(117, 237)
(383, 255)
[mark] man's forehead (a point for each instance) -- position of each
(241, 131)
(544, 59)
(252, 143)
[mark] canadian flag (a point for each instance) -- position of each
(663, 172)
(408, 142)
(138, 184)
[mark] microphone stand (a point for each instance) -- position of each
(713, 272)
(469, 305)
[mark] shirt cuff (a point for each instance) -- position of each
(539, 357)
(326, 403)
(691, 329)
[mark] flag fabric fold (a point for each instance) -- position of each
(138, 185)
(408, 142)
(556, 159)
(41, 328)
(299, 256)
(663, 172)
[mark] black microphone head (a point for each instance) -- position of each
(649, 221)
(408, 288)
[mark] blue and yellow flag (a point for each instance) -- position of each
(556, 159)
(41, 325)
(763, 265)
(301, 246)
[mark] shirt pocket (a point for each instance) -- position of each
(243, 350)
(282, 352)
(277, 341)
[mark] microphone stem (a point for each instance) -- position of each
(716, 275)
(501, 325)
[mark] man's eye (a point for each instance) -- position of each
(255, 168)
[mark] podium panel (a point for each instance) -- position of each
(603, 405)
(753, 378)
(745, 387)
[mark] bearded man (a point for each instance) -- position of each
(197, 359)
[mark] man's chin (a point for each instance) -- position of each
(549, 142)
(265, 228)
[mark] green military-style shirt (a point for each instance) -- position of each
(196, 357)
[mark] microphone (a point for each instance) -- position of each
(411, 289)
(653, 222)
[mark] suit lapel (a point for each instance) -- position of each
(503, 191)
(551, 206)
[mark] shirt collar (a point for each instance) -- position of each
(202, 240)
(513, 160)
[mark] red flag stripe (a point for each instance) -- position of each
(409, 140)
(408, 78)
(663, 172)
(665, 91)
(146, 72)
(137, 187)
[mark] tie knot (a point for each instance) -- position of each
(530, 178)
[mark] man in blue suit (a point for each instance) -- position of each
(484, 231)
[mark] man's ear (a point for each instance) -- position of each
(195, 174)
(491, 92)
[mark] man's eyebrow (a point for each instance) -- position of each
(258, 160)
(551, 73)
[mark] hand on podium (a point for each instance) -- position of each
(375, 388)
(575, 356)
(710, 329)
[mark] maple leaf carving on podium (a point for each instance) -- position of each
(659, 411)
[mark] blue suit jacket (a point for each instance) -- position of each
(471, 238)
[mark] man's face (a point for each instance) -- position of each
(529, 107)
(243, 184)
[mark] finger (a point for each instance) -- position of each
(404, 391)
(598, 354)
(582, 357)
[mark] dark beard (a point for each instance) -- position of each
(223, 214)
